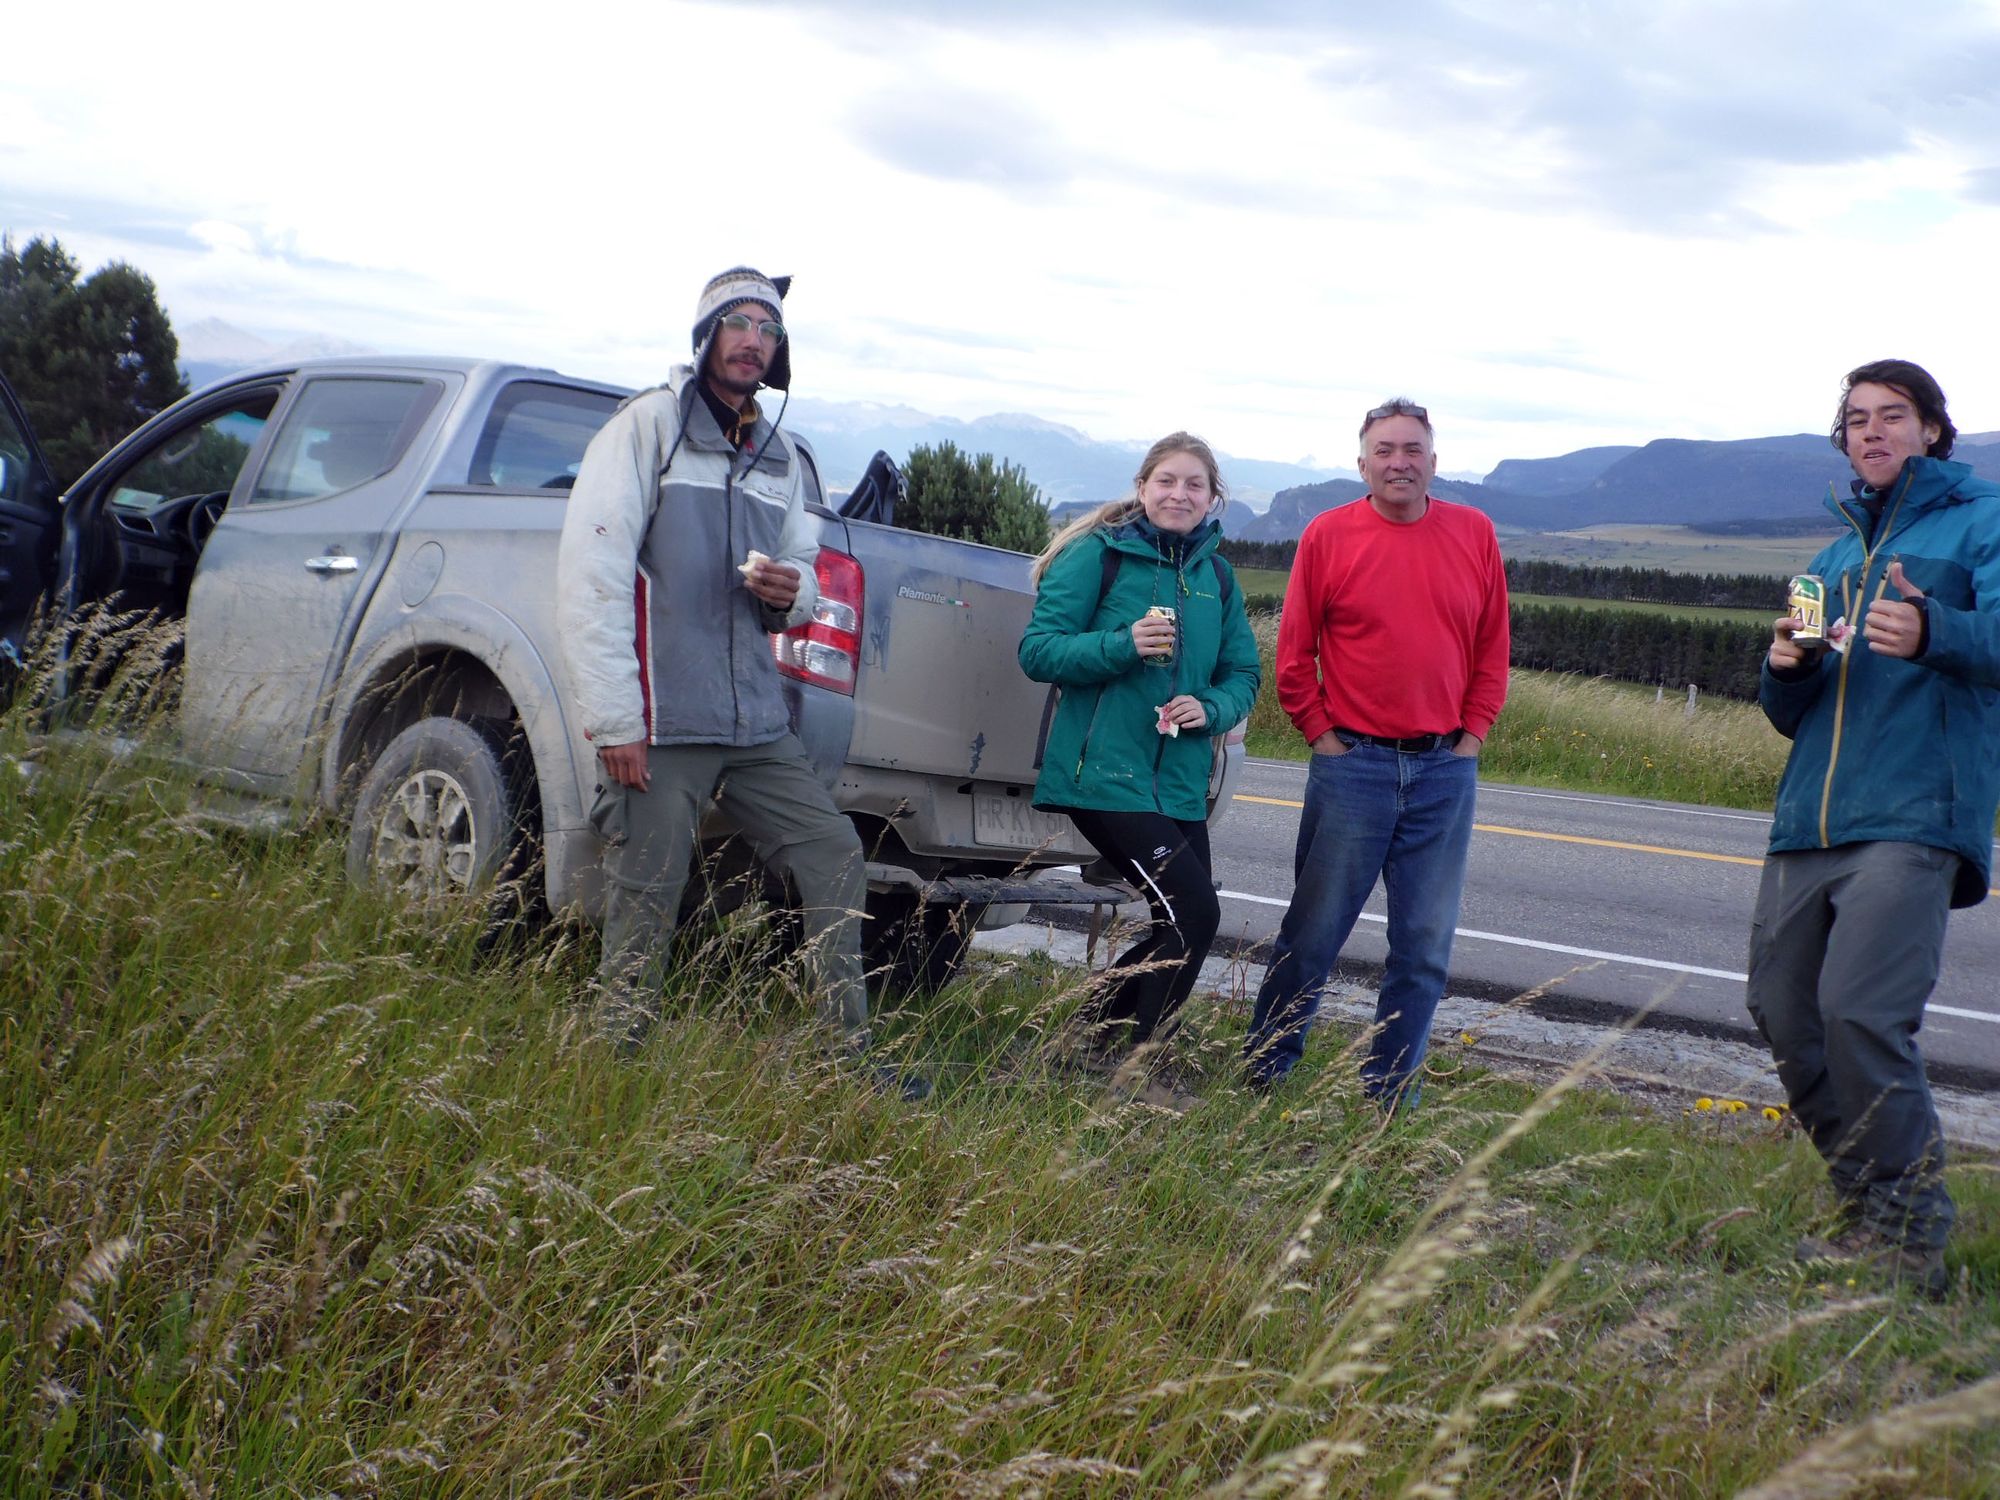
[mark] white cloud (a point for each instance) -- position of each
(1558, 226)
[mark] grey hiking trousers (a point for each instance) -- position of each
(1844, 950)
(771, 793)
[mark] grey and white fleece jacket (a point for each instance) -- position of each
(662, 640)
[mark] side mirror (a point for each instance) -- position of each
(6, 475)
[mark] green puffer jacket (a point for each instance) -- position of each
(1103, 750)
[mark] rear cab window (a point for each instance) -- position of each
(535, 435)
(343, 431)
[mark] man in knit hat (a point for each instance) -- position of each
(685, 545)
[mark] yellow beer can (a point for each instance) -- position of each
(1806, 600)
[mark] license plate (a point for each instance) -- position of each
(1012, 823)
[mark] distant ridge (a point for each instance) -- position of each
(1066, 464)
(1758, 486)
(1772, 485)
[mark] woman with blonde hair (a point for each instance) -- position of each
(1141, 624)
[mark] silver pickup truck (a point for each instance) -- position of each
(363, 554)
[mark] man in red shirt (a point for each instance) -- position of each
(1392, 662)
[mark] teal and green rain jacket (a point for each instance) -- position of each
(1886, 749)
(1103, 749)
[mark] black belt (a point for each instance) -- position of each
(1416, 744)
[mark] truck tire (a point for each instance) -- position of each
(914, 948)
(442, 814)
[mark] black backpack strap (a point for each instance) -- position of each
(1113, 560)
(1221, 577)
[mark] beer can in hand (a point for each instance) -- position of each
(1166, 612)
(1806, 600)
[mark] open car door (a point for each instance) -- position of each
(28, 520)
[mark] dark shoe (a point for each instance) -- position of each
(1261, 1079)
(900, 1083)
(1088, 1062)
(624, 1023)
(1865, 1250)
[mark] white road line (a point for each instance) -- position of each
(1665, 807)
(1618, 958)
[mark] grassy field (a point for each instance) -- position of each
(1681, 611)
(1263, 580)
(303, 1196)
(1592, 735)
(1673, 547)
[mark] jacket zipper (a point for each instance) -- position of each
(1174, 672)
(1089, 725)
(1882, 531)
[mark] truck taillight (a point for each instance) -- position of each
(826, 650)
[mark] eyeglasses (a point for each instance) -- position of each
(1397, 409)
(769, 331)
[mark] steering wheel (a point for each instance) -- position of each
(200, 518)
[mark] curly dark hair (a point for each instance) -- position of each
(1910, 379)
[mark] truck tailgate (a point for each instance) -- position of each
(940, 693)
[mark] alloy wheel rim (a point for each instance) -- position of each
(425, 843)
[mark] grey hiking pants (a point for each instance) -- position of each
(1844, 949)
(771, 793)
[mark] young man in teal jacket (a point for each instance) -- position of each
(1885, 813)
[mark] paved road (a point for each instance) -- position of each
(1611, 902)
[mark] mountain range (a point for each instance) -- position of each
(1770, 483)
(1065, 464)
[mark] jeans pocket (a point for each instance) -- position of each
(608, 812)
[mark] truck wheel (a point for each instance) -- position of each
(916, 948)
(442, 813)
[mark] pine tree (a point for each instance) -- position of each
(954, 494)
(90, 357)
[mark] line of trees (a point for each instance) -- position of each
(1717, 656)
(1259, 554)
(1529, 575)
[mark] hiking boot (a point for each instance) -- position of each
(1262, 1078)
(1865, 1249)
(623, 1023)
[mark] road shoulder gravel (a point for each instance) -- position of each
(1666, 1071)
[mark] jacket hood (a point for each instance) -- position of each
(1141, 538)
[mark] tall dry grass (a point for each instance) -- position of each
(301, 1195)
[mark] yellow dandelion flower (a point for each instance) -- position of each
(1733, 1106)
(1468, 1038)
(1773, 1114)
(1704, 1103)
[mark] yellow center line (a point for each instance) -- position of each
(1566, 838)
(1560, 838)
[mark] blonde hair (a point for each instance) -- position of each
(1117, 512)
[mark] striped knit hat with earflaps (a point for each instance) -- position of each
(731, 290)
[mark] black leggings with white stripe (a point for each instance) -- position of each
(1168, 860)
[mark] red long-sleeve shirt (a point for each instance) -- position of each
(1395, 630)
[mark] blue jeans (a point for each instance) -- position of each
(1371, 812)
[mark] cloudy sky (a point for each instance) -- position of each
(1557, 223)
